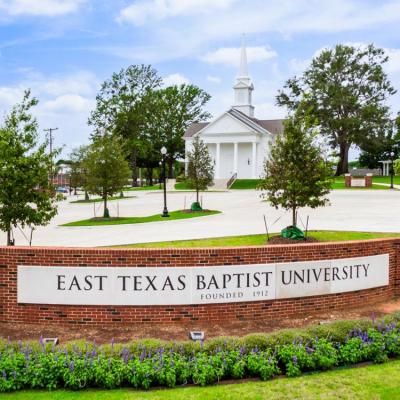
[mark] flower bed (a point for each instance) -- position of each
(146, 364)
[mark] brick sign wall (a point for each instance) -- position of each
(12, 311)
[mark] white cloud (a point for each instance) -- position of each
(231, 55)
(213, 79)
(70, 103)
(175, 79)
(65, 101)
(49, 8)
(179, 28)
(141, 11)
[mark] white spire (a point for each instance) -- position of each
(243, 72)
(243, 86)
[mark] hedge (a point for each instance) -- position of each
(148, 363)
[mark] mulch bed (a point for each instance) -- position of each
(180, 330)
(282, 240)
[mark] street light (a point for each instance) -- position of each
(391, 169)
(163, 154)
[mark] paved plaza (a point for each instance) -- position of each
(242, 213)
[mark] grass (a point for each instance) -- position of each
(337, 184)
(154, 187)
(99, 199)
(386, 179)
(370, 382)
(184, 186)
(140, 220)
(246, 184)
(260, 239)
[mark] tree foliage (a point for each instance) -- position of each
(174, 109)
(346, 90)
(27, 196)
(200, 172)
(121, 108)
(77, 174)
(107, 170)
(296, 175)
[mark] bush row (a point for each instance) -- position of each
(25, 366)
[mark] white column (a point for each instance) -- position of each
(254, 160)
(217, 160)
(235, 158)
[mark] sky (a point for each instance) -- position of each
(64, 49)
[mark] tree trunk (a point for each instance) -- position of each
(86, 195)
(294, 222)
(9, 241)
(343, 164)
(150, 176)
(106, 213)
(197, 195)
(170, 168)
(134, 169)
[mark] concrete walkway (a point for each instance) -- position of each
(243, 210)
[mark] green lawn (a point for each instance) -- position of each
(99, 199)
(371, 382)
(245, 184)
(140, 220)
(154, 187)
(386, 179)
(257, 240)
(339, 184)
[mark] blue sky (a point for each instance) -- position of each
(64, 49)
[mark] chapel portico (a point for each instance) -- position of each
(238, 142)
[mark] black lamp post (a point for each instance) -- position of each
(164, 153)
(391, 168)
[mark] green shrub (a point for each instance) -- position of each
(148, 363)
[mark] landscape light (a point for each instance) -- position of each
(196, 335)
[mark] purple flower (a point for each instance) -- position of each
(294, 358)
(72, 366)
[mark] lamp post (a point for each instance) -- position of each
(391, 168)
(163, 154)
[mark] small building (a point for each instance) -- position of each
(237, 141)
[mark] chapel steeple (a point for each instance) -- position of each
(243, 88)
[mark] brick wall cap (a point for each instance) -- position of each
(110, 250)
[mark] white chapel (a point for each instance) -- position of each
(237, 141)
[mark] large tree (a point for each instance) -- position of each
(121, 108)
(173, 109)
(346, 90)
(200, 172)
(107, 170)
(27, 196)
(296, 175)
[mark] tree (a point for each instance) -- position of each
(346, 90)
(107, 170)
(121, 107)
(27, 196)
(77, 174)
(200, 173)
(174, 109)
(296, 174)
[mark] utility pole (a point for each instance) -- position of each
(51, 137)
(49, 132)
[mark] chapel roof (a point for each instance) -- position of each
(274, 126)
